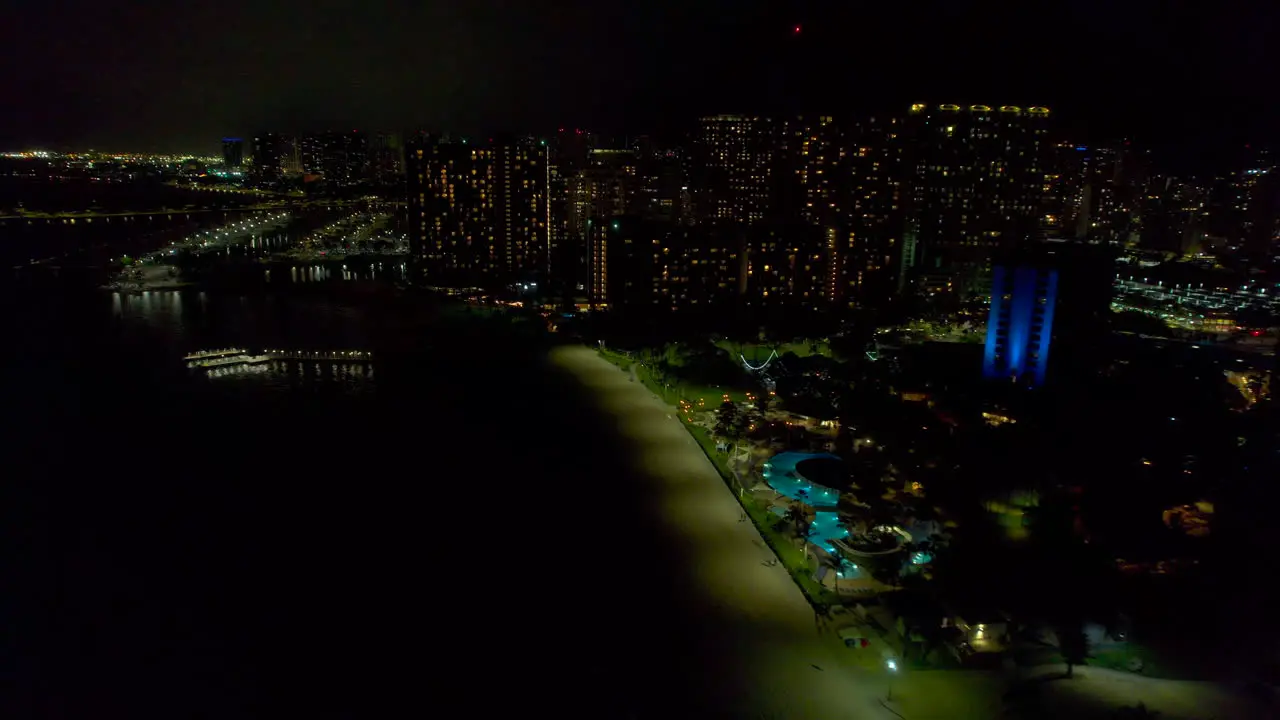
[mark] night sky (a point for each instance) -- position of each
(178, 76)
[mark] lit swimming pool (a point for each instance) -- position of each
(826, 526)
(780, 474)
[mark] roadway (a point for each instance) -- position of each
(783, 666)
(284, 203)
(147, 213)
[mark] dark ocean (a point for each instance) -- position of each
(456, 532)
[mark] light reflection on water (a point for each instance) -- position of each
(158, 328)
(393, 269)
(295, 375)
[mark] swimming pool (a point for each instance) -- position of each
(780, 474)
(826, 526)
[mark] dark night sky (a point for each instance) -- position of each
(178, 76)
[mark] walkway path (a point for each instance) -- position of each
(792, 671)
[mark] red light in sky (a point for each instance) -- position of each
(795, 30)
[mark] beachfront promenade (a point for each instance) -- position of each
(786, 667)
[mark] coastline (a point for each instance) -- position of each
(702, 508)
(786, 666)
(759, 617)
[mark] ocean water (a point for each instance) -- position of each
(457, 533)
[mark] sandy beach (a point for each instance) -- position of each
(782, 666)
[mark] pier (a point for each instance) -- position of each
(347, 356)
(230, 357)
(214, 354)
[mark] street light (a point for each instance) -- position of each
(893, 668)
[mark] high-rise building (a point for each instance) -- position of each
(346, 158)
(819, 200)
(843, 177)
(386, 159)
(867, 238)
(662, 185)
(1113, 193)
(274, 155)
(734, 160)
(342, 158)
(291, 157)
(521, 174)
(232, 152)
(1020, 324)
(449, 209)
(478, 213)
(977, 179)
(786, 264)
(571, 149)
(594, 180)
(567, 263)
(647, 266)
(1055, 293)
(813, 149)
(568, 246)
(311, 154)
(606, 187)
(1064, 188)
(1255, 203)
(1175, 214)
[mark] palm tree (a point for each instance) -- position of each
(835, 563)
(1073, 644)
(729, 421)
(763, 402)
(795, 515)
(798, 516)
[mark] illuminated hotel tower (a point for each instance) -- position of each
(1020, 325)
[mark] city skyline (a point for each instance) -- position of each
(819, 360)
(497, 66)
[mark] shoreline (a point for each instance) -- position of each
(759, 610)
(679, 465)
(791, 666)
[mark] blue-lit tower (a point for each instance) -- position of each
(232, 152)
(1020, 326)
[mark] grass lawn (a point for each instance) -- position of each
(1115, 657)
(1036, 655)
(711, 397)
(791, 556)
(617, 358)
(1118, 657)
(757, 353)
